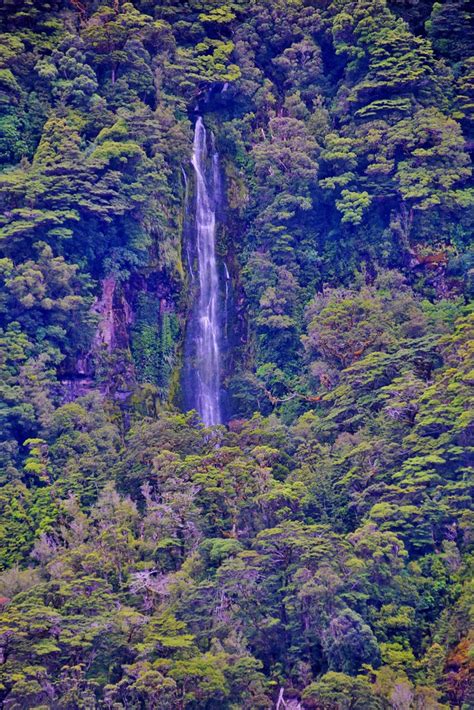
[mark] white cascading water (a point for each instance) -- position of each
(207, 360)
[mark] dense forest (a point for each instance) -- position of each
(313, 550)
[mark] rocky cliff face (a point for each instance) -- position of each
(139, 325)
(115, 315)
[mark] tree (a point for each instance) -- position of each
(338, 690)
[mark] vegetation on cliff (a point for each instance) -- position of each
(315, 552)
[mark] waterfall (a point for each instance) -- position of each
(206, 330)
(227, 284)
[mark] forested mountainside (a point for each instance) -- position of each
(275, 194)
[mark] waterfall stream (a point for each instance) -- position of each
(207, 327)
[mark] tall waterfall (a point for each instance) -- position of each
(207, 334)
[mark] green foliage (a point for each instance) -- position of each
(154, 339)
(336, 690)
(316, 550)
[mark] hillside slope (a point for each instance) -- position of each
(314, 551)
